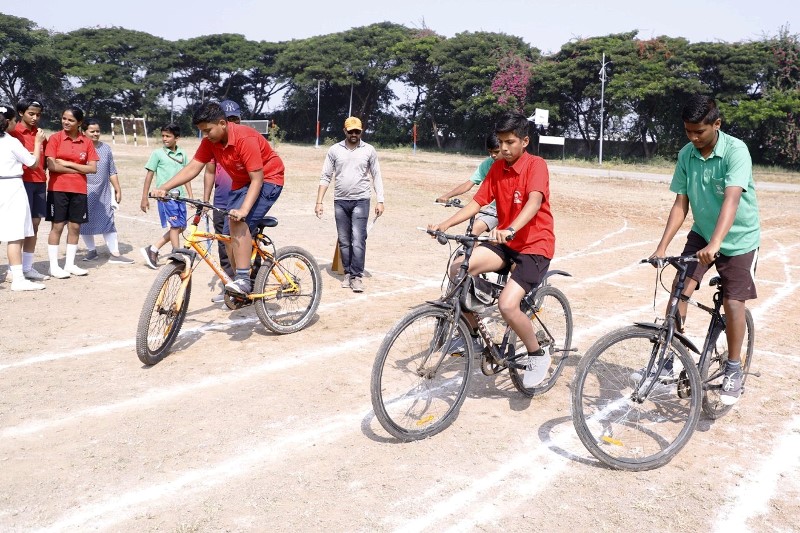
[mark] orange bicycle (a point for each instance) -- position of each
(287, 286)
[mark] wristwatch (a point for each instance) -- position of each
(513, 233)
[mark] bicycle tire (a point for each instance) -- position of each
(413, 401)
(554, 311)
(160, 320)
(619, 431)
(288, 310)
(712, 406)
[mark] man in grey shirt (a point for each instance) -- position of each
(351, 162)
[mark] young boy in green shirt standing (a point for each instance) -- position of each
(164, 163)
(714, 177)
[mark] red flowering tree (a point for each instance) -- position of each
(510, 84)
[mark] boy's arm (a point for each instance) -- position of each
(527, 213)
(184, 175)
(677, 215)
(148, 179)
(727, 214)
(256, 182)
(208, 180)
(457, 191)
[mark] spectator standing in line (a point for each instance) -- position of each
(70, 157)
(34, 179)
(100, 204)
(216, 178)
(164, 163)
(351, 163)
(15, 214)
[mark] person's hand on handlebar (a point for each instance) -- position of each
(238, 214)
(707, 255)
(433, 228)
(500, 236)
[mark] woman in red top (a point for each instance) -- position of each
(70, 157)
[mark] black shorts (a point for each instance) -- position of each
(37, 198)
(530, 268)
(737, 271)
(67, 207)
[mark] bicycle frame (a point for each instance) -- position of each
(195, 238)
(669, 327)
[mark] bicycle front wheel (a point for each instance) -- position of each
(714, 365)
(421, 373)
(162, 314)
(291, 286)
(618, 421)
(552, 321)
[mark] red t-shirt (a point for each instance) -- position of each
(28, 139)
(81, 150)
(246, 151)
(510, 187)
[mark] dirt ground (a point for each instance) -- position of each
(242, 430)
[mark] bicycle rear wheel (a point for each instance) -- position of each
(162, 315)
(552, 321)
(420, 377)
(714, 366)
(292, 289)
(622, 430)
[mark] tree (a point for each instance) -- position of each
(28, 64)
(114, 71)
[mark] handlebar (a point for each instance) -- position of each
(443, 237)
(176, 196)
(452, 202)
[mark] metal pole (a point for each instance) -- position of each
(350, 111)
(316, 144)
(602, 105)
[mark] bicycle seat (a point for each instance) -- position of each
(716, 280)
(267, 222)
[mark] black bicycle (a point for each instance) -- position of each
(423, 367)
(638, 392)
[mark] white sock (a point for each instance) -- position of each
(88, 240)
(72, 249)
(52, 253)
(16, 273)
(153, 248)
(27, 261)
(112, 242)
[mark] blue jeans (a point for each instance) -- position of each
(351, 225)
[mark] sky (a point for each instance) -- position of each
(546, 25)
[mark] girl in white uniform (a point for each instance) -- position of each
(15, 213)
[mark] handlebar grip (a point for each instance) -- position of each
(440, 238)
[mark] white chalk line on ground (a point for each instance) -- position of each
(114, 509)
(215, 326)
(752, 495)
(163, 395)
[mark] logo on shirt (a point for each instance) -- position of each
(517, 197)
(83, 157)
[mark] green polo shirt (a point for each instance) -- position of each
(165, 163)
(704, 182)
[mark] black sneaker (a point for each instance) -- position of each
(150, 257)
(91, 255)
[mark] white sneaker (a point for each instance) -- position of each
(76, 270)
(346, 281)
(35, 275)
(59, 273)
(26, 285)
(536, 369)
(218, 298)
